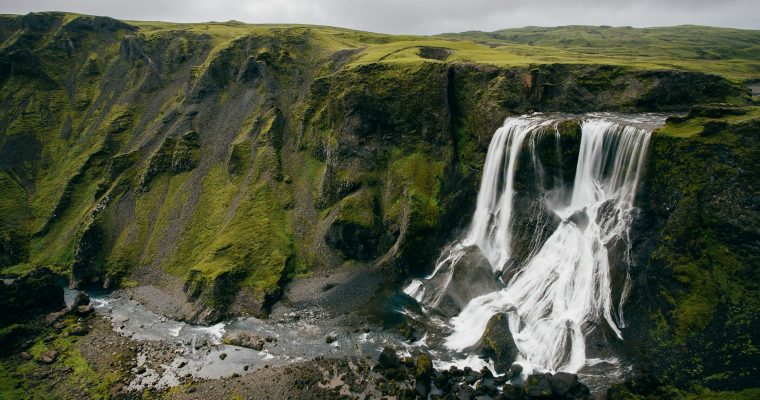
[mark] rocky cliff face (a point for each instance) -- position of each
(693, 314)
(218, 167)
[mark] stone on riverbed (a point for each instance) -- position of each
(244, 339)
(81, 299)
(84, 310)
(388, 358)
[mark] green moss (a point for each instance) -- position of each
(693, 126)
(414, 182)
(155, 211)
(81, 378)
(248, 239)
(15, 220)
(704, 329)
(359, 209)
(707, 394)
(240, 158)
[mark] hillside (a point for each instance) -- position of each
(733, 53)
(218, 162)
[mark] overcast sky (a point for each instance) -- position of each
(418, 16)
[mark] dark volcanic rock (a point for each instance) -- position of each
(497, 342)
(472, 277)
(388, 358)
(30, 295)
(698, 232)
(81, 299)
(538, 386)
(511, 392)
(563, 383)
(424, 367)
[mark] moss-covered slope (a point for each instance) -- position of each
(217, 161)
(693, 317)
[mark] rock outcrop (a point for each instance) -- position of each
(29, 295)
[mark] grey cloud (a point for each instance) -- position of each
(418, 17)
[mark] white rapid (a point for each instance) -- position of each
(563, 290)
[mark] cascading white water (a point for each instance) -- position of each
(493, 215)
(564, 288)
(489, 229)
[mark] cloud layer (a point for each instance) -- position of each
(418, 16)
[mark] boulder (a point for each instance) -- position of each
(511, 392)
(538, 386)
(471, 377)
(388, 358)
(422, 389)
(514, 371)
(443, 381)
(81, 299)
(244, 339)
(497, 342)
(423, 372)
(487, 386)
(472, 277)
(463, 392)
(562, 383)
(84, 310)
(48, 357)
(424, 368)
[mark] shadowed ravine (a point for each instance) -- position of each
(562, 291)
(554, 298)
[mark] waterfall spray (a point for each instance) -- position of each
(563, 289)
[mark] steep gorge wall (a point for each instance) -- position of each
(692, 317)
(219, 169)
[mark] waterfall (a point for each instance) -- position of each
(556, 296)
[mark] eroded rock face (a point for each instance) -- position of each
(698, 221)
(81, 299)
(229, 161)
(472, 277)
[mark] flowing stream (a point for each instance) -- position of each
(562, 291)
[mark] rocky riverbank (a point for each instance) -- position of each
(79, 353)
(88, 350)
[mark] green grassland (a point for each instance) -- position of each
(694, 125)
(733, 53)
